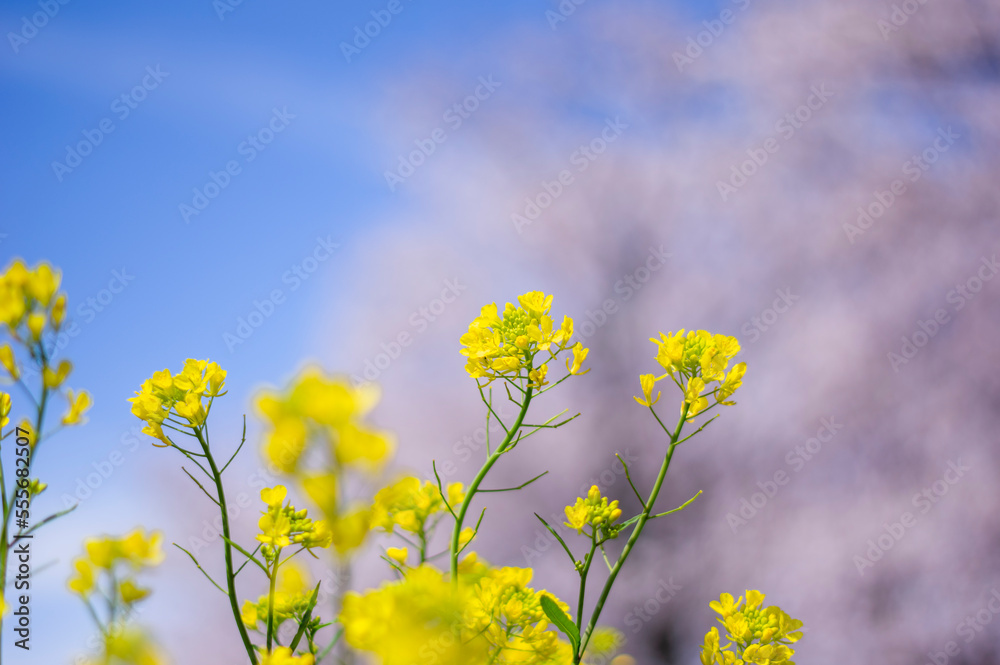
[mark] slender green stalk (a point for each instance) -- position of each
(270, 600)
(478, 480)
(230, 576)
(644, 516)
(583, 579)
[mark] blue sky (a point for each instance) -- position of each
(149, 285)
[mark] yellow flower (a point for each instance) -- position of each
(398, 554)
(43, 283)
(54, 379)
(36, 323)
(359, 445)
(733, 381)
(4, 409)
(274, 497)
(58, 313)
(142, 549)
(648, 382)
(8, 361)
(284, 656)
(579, 356)
(537, 376)
(83, 581)
(693, 398)
(249, 614)
(132, 593)
(350, 529)
(79, 403)
(536, 303)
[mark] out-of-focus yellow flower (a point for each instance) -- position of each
(4, 409)
(55, 378)
(8, 361)
(421, 617)
(284, 656)
(318, 406)
(132, 593)
(82, 582)
(79, 403)
(36, 324)
(350, 528)
(409, 504)
(398, 554)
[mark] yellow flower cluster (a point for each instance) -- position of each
(494, 617)
(4, 409)
(281, 525)
(330, 406)
(128, 646)
(29, 300)
(187, 395)
(694, 361)
(409, 504)
(284, 656)
(509, 614)
(757, 634)
(30, 304)
(596, 511)
(119, 559)
(504, 346)
(420, 618)
(291, 599)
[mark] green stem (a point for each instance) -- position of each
(646, 510)
(478, 480)
(270, 599)
(230, 576)
(583, 580)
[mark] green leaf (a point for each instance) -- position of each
(562, 622)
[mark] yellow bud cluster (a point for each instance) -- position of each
(595, 511)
